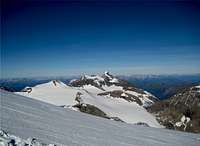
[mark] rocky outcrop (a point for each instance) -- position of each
(181, 111)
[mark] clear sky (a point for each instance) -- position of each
(51, 38)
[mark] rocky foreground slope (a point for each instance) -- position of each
(181, 111)
(104, 96)
(46, 123)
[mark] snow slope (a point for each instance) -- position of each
(26, 117)
(64, 95)
(7, 139)
(60, 94)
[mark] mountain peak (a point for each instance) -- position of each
(96, 80)
(108, 75)
(55, 82)
(106, 95)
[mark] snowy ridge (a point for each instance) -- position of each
(114, 100)
(26, 117)
(59, 94)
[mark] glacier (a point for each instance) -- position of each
(64, 95)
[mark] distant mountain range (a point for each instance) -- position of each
(162, 86)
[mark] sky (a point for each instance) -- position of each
(61, 38)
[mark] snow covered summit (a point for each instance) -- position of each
(105, 96)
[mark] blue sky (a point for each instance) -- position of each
(70, 38)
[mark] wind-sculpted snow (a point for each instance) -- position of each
(26, 117)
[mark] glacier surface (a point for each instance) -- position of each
(26, 117)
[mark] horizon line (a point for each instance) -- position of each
(117, 75)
